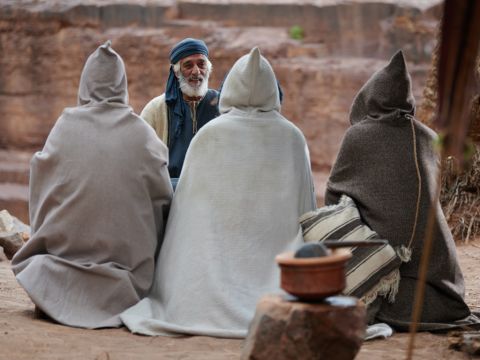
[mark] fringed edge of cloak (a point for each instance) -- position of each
(386, 287)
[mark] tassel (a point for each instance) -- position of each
(394, 284)
(404, 253)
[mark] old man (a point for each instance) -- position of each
(99, 194)
(187, 104)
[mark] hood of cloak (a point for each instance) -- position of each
(103, 78)
(251, 85)
(386, 95)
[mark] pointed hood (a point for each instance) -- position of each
(387, 94)
(103, 78)
(250, 85)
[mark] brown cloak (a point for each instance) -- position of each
(376, 166)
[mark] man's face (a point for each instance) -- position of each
(194, 69)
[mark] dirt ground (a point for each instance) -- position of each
(23, 336)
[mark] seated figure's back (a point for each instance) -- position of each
(245, 182)
(388, 165)
(98, 193)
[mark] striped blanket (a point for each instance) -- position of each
(372, 271)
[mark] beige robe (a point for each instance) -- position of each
(155, 113)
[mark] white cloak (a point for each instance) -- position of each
(245, 182)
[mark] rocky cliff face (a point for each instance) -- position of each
(44, 44)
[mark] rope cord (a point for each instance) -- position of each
(419, 178)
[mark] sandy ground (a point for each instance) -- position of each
(23, 336)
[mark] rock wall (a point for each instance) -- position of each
(43, 47)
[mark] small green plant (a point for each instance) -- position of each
(296, 32)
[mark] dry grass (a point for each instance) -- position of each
(460, 198)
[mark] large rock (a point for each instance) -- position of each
(44, 45)
(283, 329)
(354, 28)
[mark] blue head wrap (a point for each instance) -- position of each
(173, 95)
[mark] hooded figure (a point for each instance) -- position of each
(387, 164)
(99, 194)
(245, 182)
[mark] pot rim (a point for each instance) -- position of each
(338, 255)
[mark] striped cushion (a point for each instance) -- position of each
(372, 271)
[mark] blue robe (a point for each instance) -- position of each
(206, 110)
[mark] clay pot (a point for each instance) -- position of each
(313, 278)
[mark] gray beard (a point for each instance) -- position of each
(191, 91)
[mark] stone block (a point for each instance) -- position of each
(11, 242)
(12, 233)
(285, 329)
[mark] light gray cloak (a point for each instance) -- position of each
(245, 182)
(99, 194)
(376, 166)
